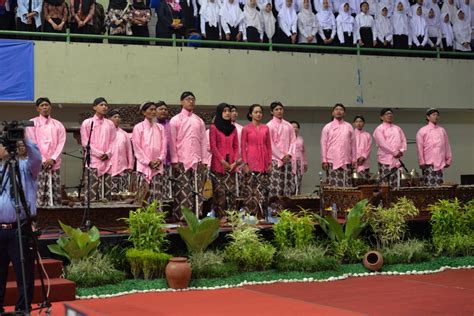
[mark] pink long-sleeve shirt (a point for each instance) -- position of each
(103, 136)
(149, 144)
(433, 146)
(299, 154)
(188, 142)
(239, 129)
(390, 140)
(223, 148)
(50, 136)
(363, 148)
(283, 136)
(208, 156)
(256, 147)
(122, 153)
(338, 144)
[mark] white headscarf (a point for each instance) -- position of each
(382, 23)
(325, 16)
(345, 17)
(307, 16)
(399, 21)
(268, 19)
(418, 22)
(462, 27)
(447, 30)
(252, 17)
(450, 8)
(231, 13)
(433, 22)
(287, 16)
(210, 11)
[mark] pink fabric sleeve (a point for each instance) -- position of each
(85, 132)
(269, 148)
(130, 158)
(304, 157)
(173, 141)
(205, 157)
(243, 145)
(164, 144)
(404, 141)
(353, 145)
(383, 145)
(323, 142)
(449, 155)
(137, 146)
(235, 145)
(419, 146)
(367, 146)
(113, 134)
(213, 142)
(61, 141)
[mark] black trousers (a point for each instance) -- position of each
(400, 41)
(49, 28)
(367, 37)
(23, 27)
(10, 252)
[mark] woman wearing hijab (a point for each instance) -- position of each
(140, 17)
(345, 26)
(82, 14)
(434, 29)
(447, 40)
(210, 21)
(55, 13)
(364, 27)
(450, 7)
(252, 24)
(170, 21)
(327, 25)
(150, 148)
(308, 25)
(419, 28)
(268, 21)
(224, 143)
(256, 150)
(118, 20)
(462, 32)
(287, 24)
(231, 20)
(401, 27)
(384, 29)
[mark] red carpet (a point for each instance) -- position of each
(447, 293)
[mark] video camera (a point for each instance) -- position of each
(12, 132)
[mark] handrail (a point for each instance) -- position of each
(359, 50)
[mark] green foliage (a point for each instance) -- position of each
(309, 258)
(353, 227)
(210, 264)
(350, 250)
(294, 230)
(78, 244)
(452, 227)
(389, 225)
(246, 248)
(410, 251)
(199, 234)
(92, 271)
(117, 256)
(151, 263)
(145, 226)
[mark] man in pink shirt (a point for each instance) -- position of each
(98, 133)
(434, 151)
(162, 116)
(50, 136)
(338, 149)
(122, 156)
(283, 138)
(188, 148)
(363, 147)
(391, 145)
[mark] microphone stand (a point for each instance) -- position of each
(86, 222)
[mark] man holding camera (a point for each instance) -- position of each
(9, 244)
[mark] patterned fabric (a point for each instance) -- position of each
(223, 193)
(339, 177)
(187, 185)
(49, 188)
(167, 184)
(365, 174)
(298, 178)
(255, 193)
(432, 178)
(281, 181)
(121, 183)
(154, 189)
(100, 188)
(384, 171)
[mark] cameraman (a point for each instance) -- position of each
(9, 245)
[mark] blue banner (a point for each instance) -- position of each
(17, 79)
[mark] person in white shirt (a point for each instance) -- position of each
(268, 21)
(231, 20)
(364, 27)
(462, 32)
(252, 24)
(345, 26)
(287, 24)
(447, 40)
(419, 28)
(307, 24)
(434, 29)
(210, 21)
(401, 27)
(327, 25)
(384, 28)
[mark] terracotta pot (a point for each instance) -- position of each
(178, 273)
(373, 260)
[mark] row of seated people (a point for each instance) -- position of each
(372, 23)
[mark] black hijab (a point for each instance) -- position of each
(139, 5)
(117, 4)
(225, 126)
(86, 5)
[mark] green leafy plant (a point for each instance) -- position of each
(294, 230)
(148, 262)
(145, 226)
(210, 264)
(389, 225)
(310, 258)
(117, 255)
(410, 251)
(246, 248)
(77, 244)
(92, 271)
(350, 250)
(198, 235)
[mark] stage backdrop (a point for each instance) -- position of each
(16, 70)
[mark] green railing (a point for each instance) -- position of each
(267, 46)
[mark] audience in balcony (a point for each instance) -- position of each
(7, 16)
(462, 32)
(140, 16)
(82, 14)
(56, 15)
(171, 20)
(231, 20)
(28, 16)
(269, 21)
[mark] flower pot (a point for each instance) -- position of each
(178, 273)
(373, 260)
